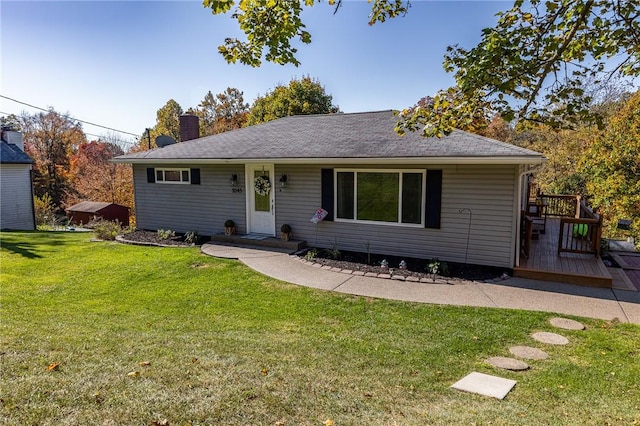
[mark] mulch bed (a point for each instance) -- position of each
(356, 261)
(141, 236)
(418, 268)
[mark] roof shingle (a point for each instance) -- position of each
(367, 135)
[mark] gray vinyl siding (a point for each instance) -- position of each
(488, 191)
(16, 204)
(183, 208)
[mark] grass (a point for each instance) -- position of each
(103, 333)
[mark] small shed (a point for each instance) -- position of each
(85, 211)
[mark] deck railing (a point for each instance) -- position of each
(582, 233)
(580, 227)
(561, 205)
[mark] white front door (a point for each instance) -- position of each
(261, 205)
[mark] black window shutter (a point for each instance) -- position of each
(434, 199)
(327, 192)
(151, 175)
(195, 176)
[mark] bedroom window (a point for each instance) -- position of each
(388, 196)
(173, 176)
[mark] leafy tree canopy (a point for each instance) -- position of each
(300, 97)
(530, 66)
(222, 112)
(50, 139)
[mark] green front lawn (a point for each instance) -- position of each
(109, 334)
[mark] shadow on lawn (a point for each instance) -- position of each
(10, 241)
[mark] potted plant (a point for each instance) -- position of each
(229, 227)
(285, 232)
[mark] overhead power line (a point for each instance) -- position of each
(73, 118)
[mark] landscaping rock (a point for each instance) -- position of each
(550, 338)
(566, 324)
(527, 352)
(507, 363)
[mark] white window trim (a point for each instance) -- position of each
(355, 196)
(168, 169)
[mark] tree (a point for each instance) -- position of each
(270, 26)
(226, 111)
(50, 139)
(300, 97)
(95, 178)
(612, 167)
(11, 122)
(168, 120)
(530, 66)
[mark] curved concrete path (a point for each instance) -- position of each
(514, 293)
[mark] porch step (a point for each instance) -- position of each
(259, 241)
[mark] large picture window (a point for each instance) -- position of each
(173, 176)
(389, 196)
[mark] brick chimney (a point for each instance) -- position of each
(189, 127)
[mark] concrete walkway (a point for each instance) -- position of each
(514, 293)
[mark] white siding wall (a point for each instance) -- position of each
(488, 191)
(16, 202)
(183, 208)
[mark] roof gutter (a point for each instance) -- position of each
(325, 160)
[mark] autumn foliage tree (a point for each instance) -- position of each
(95, 178)
(530, 66)
(612, 167)
(222, 112)
(51, 139)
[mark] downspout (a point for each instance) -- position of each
(519, 214)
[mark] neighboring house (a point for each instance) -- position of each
(407, 196)
(86, 211)
(16, 191)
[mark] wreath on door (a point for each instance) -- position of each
(262, 185)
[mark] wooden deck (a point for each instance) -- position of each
(545, 264)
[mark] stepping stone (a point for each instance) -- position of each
(484, 384)
(527, 352)
(550, 338)
(507, 363)
(567, 324)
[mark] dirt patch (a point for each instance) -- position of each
(419, 268)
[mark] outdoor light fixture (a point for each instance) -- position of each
(233, 180)
(283, 181)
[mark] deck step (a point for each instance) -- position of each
(259, 241)
(564, 277)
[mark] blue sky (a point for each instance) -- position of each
(116, 63)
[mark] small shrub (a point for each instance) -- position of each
(334, 253)
(191, 237)
(165, 234)
(106, 229)
(286, 228)
(436, 267)
(45, 212)
(311, 254)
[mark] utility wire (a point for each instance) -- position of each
(73, 118)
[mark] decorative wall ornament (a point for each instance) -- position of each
(262, 185)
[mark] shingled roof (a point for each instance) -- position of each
(358, 137)
(11, 154)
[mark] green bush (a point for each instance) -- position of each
(166, 234)
(191, 237)
(45, 212)
(106, 229)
